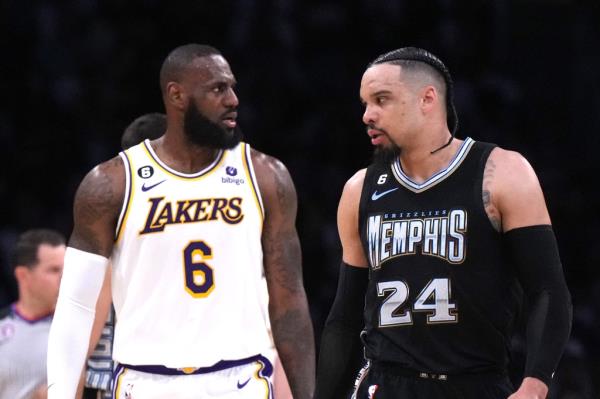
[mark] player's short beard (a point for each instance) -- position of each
(385, 154)
(203, 132)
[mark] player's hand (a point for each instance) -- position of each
(531, 388)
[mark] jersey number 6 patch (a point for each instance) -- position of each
(199, 279)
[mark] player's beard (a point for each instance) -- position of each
(203, 132)
(386, 154)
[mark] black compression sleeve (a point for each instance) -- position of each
(340, 352)
(537, 263)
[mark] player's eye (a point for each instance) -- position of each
(219, 88)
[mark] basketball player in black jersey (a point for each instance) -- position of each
(441, 238)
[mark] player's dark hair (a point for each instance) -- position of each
(180, 58)
(412, 58)
(26, 248)
(148, 126)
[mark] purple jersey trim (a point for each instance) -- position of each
(266, 371)
(28, 320)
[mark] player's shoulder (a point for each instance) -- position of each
(270, 172)
(104, 186)
(112, 168)
(508, 159)
(266, 162)
(355, 183)
(274, 179)
(509, 172)
(352, 190)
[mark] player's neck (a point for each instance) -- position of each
(31, 309)
(181, 155)
(420, 164)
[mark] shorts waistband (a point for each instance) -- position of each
(221, 365)
(437, 376)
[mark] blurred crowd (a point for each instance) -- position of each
(75, 73)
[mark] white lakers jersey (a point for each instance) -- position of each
(188, 282)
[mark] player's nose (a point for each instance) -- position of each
(369, 116)
(231, 100)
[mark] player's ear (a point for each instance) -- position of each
(21, 273)
(429, 97)
(175, 95)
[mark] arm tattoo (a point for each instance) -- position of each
(283, 251)
(295, 344)
(288, 307)
(282, 246)
(96, 202)
(490, 209)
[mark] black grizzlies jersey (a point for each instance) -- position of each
(441, 297)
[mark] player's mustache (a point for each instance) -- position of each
(373, 127)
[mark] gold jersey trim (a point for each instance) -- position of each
(249, 169)
(128, 197)
(183, 176)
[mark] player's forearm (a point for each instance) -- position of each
(339, 361)
(67, 349)
(548, 330)
(538, 266)
(293, 335)
(69, 336)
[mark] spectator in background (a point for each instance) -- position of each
(38, 263)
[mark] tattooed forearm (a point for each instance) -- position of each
(284, 259)
(490, 209)
(293, 335)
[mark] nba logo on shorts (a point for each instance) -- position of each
(128, 389)
(372, 390)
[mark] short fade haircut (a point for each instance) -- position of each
(148, 126)
(26, 249)
(179, 60)
(418, 59)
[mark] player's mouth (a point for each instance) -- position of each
(378, 137)
(230, 119)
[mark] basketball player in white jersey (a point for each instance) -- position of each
(192, 222)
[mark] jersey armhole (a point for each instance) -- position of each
(249, 167)
(128, 195)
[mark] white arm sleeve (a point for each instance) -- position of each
(69, 338)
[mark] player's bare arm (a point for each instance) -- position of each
(97, 204)
(489, 176)
(340, 343)
(347, 220)
(288, 307)
(512, 194)
(516, 201)
(96, 209)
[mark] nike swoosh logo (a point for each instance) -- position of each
(376, 195)
(144, 188)
(240, 386)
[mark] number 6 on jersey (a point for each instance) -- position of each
(199, 280)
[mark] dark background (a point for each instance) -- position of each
(527, 73)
